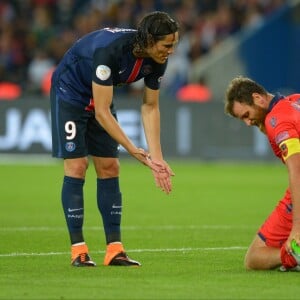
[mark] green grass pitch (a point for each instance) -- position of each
(191, 243)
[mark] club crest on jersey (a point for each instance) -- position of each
(147, 69)
(70, 146)
(103, 72)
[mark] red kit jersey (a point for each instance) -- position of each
(283, 130)
(283, 123)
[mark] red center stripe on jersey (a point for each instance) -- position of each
(135, 71)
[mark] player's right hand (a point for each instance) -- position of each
(144, 157)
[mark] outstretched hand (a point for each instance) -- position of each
(160, 169)
(142, 155)
(162, 174)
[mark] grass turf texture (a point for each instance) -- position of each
(191, 243)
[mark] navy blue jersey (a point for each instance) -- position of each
(105, 57)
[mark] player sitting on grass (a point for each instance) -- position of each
(278, 116)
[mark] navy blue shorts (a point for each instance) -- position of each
(76, 133)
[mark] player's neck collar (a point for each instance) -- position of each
(275, 100)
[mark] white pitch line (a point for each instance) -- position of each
(21, 254)
(160, 227)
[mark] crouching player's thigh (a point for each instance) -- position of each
(264, 251)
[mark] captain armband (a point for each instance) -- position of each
(289, 147)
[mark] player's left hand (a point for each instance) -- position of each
(162, 174)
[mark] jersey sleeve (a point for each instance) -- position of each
(153, 80)
(283, 134)
(103, 67)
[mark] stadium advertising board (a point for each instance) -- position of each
(188, 130)
(26, 127)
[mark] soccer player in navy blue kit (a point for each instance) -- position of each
(84, 122)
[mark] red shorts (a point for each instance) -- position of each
(276, 229)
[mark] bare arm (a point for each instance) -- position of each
(293, 166)
(103, 99)
(151, 122)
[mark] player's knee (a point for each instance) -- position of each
(76, 167)
(248, 263)
(108, 169)
(249, 260)
(253, 260)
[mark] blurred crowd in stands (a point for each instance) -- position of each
(34, 34)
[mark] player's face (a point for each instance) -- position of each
(252, 115)
(160, 51)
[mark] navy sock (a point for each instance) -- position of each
(72, 201)
(109, 201)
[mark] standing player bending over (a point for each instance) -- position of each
(279, 118)
(84, 122)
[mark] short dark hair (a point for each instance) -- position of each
(240, 89)
(153, 27)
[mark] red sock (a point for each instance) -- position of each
(288, 261)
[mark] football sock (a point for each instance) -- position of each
(72, 201)
(288, 261)
(109, 201)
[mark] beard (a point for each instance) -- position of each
(260, 116)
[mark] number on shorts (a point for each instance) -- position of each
(70, 129)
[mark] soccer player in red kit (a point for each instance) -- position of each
(278, 117)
